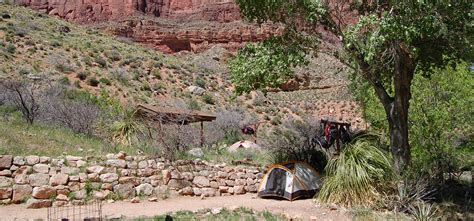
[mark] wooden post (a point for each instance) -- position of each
(202, 134)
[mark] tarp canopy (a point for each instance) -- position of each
(290, 180)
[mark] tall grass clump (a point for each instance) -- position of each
(356, 176)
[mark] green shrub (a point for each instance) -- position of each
(356, 175)
(93, 82)
(208, 99)
(113, 55)
(101, 61)
(24, 71)
(11, 48)
(82, 75)
(194, 105)
(105, 81)
(64, 81)
(77, 84)
(200, 82)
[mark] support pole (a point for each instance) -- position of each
(202, 134)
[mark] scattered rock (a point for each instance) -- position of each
(153, 199)
(216, 211)
(145, 189)
(196, 90)
(135, 200)
(6, 161)
(115, 217)
(196, 152)
(37, 204)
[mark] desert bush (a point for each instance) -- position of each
(355, 176)
(63, 108)
(105, 81)
(226, 128)
(23, 96)
(127, 129)
(208, 99)
(101, 61)
(60, 62)
(120, 75)
(82, 75)
(293, 141)
(93, 82)
(10, 48)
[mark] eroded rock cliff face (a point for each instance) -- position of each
(87, 11)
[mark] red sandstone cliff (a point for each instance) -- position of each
(87, 11)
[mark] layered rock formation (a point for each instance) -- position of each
(87, 11)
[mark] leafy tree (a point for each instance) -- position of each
(386, 45)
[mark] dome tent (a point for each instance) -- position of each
(290, 180)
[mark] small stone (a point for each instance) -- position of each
(153, 199)
(6, 161)
(216, 211)
(135, 200)
(196, 90)
(239, 190)
(6, 173)
(73, 158)
(80, 195)
(144, 189)
(32, 160)
(196, 152)
(61, 197)
(187, 191)
(59, 203)
(5, 193)
(110, 201)
(37, 204)
(19, 161)
(95, 169)
(197, 191)
(178, 184)
(81, 163)
(121, 155)
(208, 192)
(41, 168)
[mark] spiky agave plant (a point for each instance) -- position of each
(354, 177)
(126, 130)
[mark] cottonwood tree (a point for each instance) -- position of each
(384, 41)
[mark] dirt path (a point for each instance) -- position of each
(303, 209)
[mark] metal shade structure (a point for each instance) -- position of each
(165, 115)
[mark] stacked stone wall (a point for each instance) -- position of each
(41, 181)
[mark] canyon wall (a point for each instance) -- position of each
(87, 11)
(43, 181)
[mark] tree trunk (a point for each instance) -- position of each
(396, 108)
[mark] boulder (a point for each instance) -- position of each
(196, 90)
(41, 168)
(6, 161)
(44, 192)
(196, 152)
(208, 192)
(144, 189)
(38, 179)
(37, 204)
(109, 177)
(197, 191)
(5, 181)
(32, 160)
(21, 193)
(125, 190)
(5, 193)
(201, 181)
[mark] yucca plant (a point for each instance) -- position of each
(356, 175)
(126, 130)
(422, 211)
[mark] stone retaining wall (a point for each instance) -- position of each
(44, 181)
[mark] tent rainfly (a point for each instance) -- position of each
(290, 180)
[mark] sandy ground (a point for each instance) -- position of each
(303, 209)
